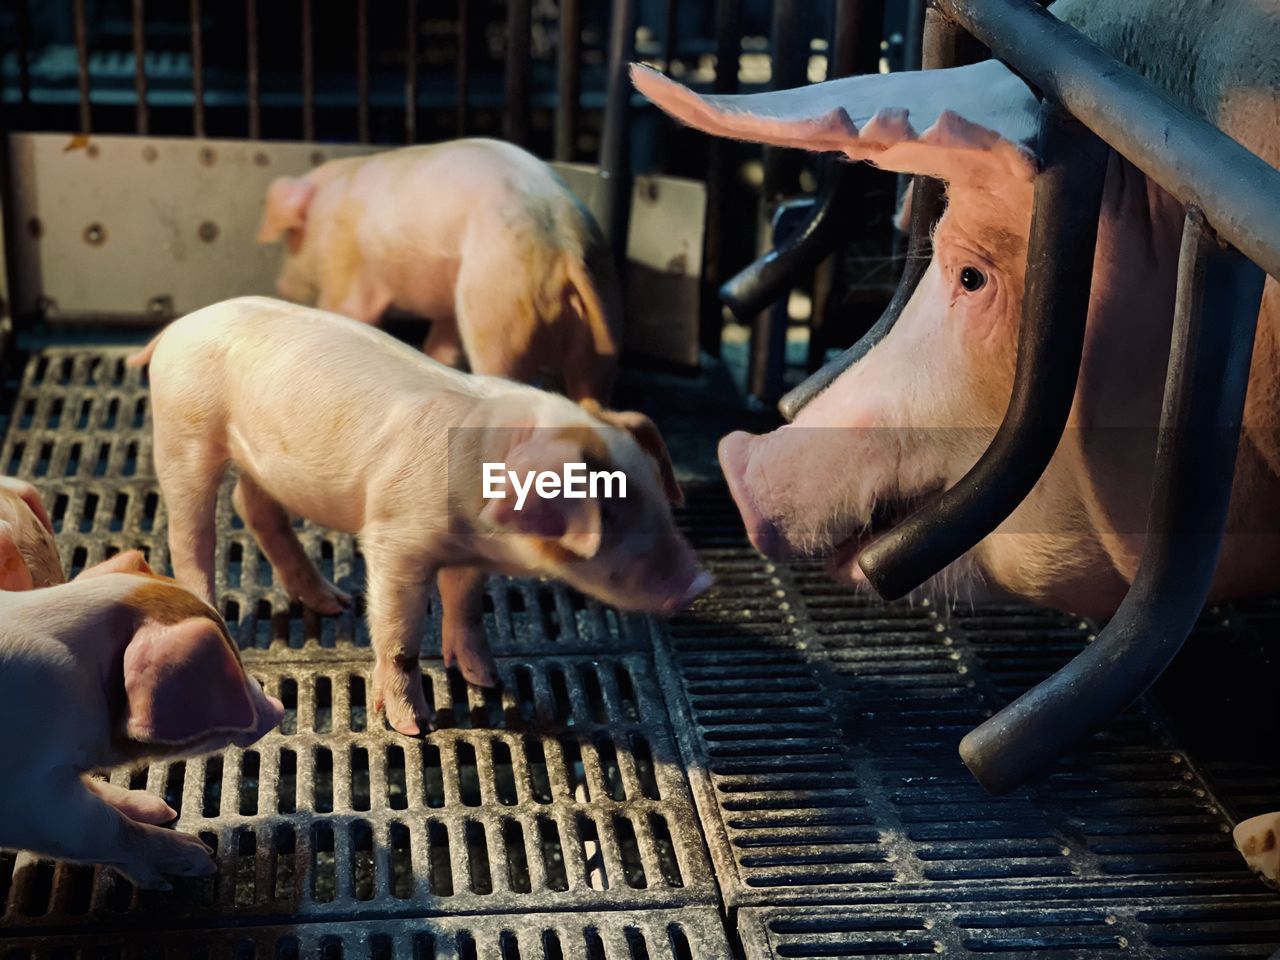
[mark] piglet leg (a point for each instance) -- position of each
(190, 483)
(270, 525)
(82, 826)
(398, 595)
(463, 643)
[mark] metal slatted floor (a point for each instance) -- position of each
(771, 774)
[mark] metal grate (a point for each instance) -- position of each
(562, 792)
(824, 726)
(803, 734)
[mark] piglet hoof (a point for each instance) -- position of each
(325, 599)
(135, 804)
(168, 852)
(397, 692)
(1258, 839)
(476, 666)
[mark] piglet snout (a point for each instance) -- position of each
(699, 585)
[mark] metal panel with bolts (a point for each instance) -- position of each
(138, 229)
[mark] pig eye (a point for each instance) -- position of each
(972, 279)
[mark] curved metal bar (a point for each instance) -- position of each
(944, 44)
(1055, 305)
(1195, 463)
(768, 278)
(927, 201)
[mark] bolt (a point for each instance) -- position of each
(261, 158)
(208, 231)
(317, 158)
(95, 234)
(161, 305)
(150, 154)
(35, 227)
(208, 156)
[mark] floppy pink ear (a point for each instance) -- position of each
(14, 573)
(183, 681)
(287, 201)
(645, 432)
(30, 496)
(959, 123)
(127, 561)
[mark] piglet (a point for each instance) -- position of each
(333, 420)
(114, 668)
(479, 236)
(28, 555)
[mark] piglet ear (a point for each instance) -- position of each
(645, 432)
(14, 573)
(951, 124)
(183, 681)
(30, 496)
(571, 522)
(287, 201)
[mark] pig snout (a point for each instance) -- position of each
(735, 454)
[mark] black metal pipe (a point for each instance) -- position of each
(362, 70)
(141, 117)
(24, 55)
(1200, 424)
(308, 74)
(615, 147)
(1055, 306)
(1192, 159)
(519, 66)
(927, 202)
(763, 281)
(716, 219)
(197, 70)
(943, 45)
(411, 72)
(253, 69)
(670, 27)
(81, 29)
(568, 79)
(462, 56)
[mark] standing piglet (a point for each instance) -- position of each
(333, 420)
(477, 235)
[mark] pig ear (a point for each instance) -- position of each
(645, 432)
(30, 496)
(951, 124)
(572, 523)
(287, 201)
(183, 681)
(14, 573)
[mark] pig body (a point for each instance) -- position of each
(477, 235)
(333, 420)
(116, 667)
(914, 414)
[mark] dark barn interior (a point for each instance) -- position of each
(772, 773)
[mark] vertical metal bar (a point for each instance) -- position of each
(462, 56)
(569, 80)
(411, 73)
(790, 55)
(615, 159)
(1196, 451)
(717, 219)
(308, 74)
(1055, 306)
(82, 62)
(942, 45)
(142, 115)
(252, 61)
(362, 69)
(911, 47)
(24, 54)
(197, 70)
(669, 37)
(519, 68)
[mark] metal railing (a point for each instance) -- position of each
(1232, 197)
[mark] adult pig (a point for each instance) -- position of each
(477, 235)
(336, 421)
(917, 411)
